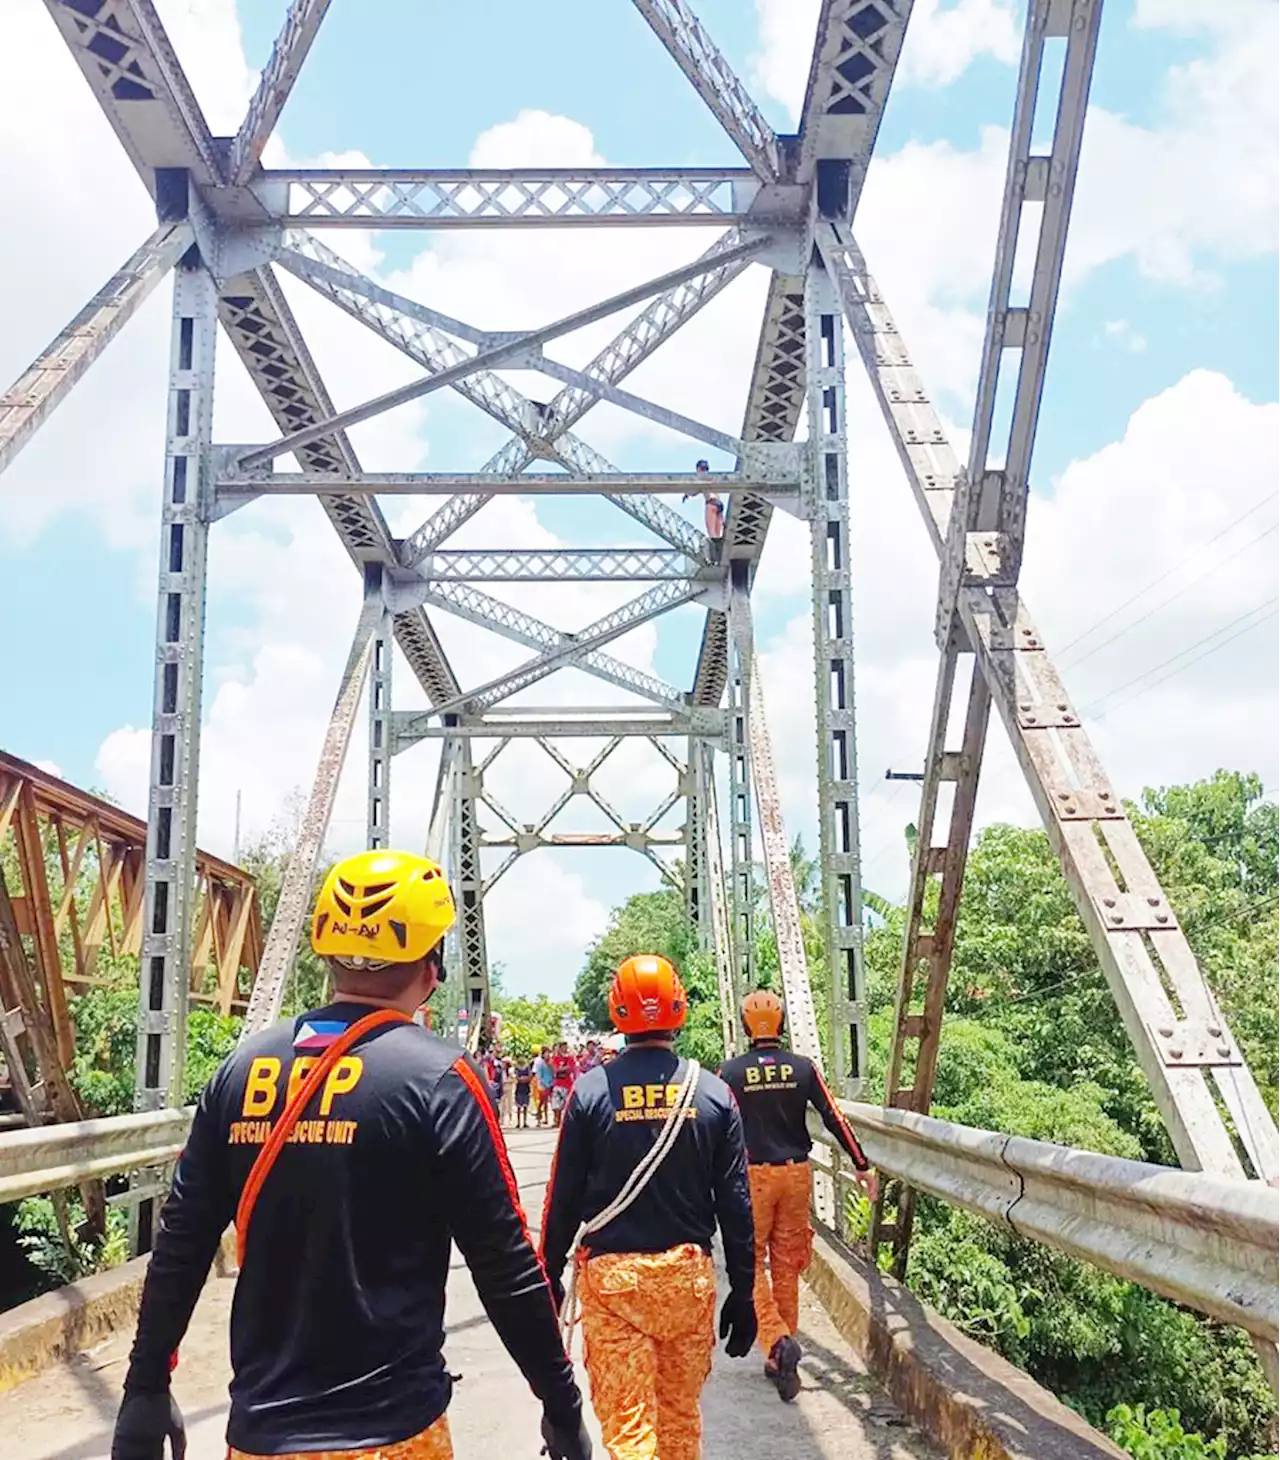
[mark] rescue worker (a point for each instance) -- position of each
(774, 1086)
(646, 1279)
(338, 1322)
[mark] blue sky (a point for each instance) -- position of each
(1163, 356)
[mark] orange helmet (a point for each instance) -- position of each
(762, 1015)
(647, 996)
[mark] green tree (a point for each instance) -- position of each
(1033, 1045)
(528, 1024)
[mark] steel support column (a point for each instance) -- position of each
(718, 903)
(295, 890)
(378, 796)
(175, 725)
(694, 786)
(931, 927)
(467, 880)
(839, 860)
(741, 865)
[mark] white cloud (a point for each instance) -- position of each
(1171, 497)
(1120, 332)
(943, 41)
(49, 767)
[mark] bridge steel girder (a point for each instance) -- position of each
(556, 197)
(1132, 928)
(301, 24)
(719, 914)
(378, 778)
(296, 886)
(839, 857)
(804, 187)
(37, 392)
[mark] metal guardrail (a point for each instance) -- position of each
(54, 1157)
(1201, 1240)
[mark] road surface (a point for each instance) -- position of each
(67, 1412)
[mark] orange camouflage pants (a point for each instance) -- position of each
(648, 1330)
(784, 1240)
(432, 1444)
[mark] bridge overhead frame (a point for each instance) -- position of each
(225, 225)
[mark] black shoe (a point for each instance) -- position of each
(784, 1359)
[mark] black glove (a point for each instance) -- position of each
(738, 1324)
(565, 1441)
(142, 1425)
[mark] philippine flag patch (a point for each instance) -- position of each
(318, 1033)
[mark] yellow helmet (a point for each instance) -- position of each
(380, 907)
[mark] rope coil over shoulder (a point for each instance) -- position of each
(283, 1128)
(631, 1189)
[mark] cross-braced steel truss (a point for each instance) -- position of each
(225, 225)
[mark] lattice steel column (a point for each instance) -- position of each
(718, 904)
(175, 725)
(741, 868)
(175, 728)
(694, 786)
(839, 858)
(378, 803)
(468, 891)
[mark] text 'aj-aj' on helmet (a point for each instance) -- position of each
(378, 908)
(762, 1015)
(646, 996)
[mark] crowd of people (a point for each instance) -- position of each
(539, 1084)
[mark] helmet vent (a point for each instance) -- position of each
(348, 887)
(376, 887)
(376, 907)
(345, 906)
(399, 929)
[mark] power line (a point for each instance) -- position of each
(1165, 602)
(1155, 582)
(1257, 608)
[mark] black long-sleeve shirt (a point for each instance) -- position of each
(338, 1320)
(612, 1119)
(774, 1087)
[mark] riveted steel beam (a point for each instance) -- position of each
(39, 390)
(557, 197)
(507, 353)
(274, 85)
(713, 78)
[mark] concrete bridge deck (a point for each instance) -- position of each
(67, 1412)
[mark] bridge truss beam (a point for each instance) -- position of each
(792, 210)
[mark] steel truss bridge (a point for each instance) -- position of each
(226, 227)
